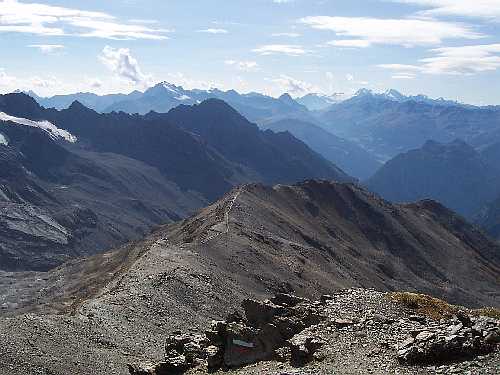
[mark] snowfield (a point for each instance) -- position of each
(53, 131)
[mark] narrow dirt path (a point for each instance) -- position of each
(226, 219)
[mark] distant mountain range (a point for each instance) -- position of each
(383, 124)
(74, 182)
(359, 133)
(454, 174)
(346, 154)
(319, 102)
(388, 124)
(165, 96)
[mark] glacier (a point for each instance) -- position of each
(53, 131)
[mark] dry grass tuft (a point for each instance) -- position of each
(491, 312)
(431, 307)
(436, 308)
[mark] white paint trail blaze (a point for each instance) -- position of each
(53, 131)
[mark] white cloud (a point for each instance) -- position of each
(144, 21)
(282, 1)
(352, 43)
(47, 48)
(289, 35)
(45, 83)
(465, 60)
(48, 20)
(214, 31)
(292, 85)
(404, 76)
(365, 31)
(349, 77)
(401, 67)
(124, 65)
(5, 79)
(94, 83)
(489, 9)
(245, 66)
(284, 49)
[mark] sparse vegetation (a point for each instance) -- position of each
(492, 312)
(432, 307)
(436, 308)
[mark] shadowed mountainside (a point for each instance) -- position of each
(454, 174)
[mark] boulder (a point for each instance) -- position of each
(214, 356)
(259, 313)
(303, 347)
(464, 337)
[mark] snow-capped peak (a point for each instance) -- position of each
(394, 95)
(363, 92)
(170, 87)
(53, 131)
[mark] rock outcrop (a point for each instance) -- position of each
(271, 329)
(297, 331)
(459, 338)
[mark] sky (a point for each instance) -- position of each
(441, 48)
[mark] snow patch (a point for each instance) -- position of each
(3, 140)
(183, 97)
(53, 131)
(170, 87)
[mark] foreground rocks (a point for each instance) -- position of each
(269, 330)
(289, 332)
(459, 338)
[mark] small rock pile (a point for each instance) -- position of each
(272, 329)
(461, 337)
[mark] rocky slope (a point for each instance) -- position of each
(454, 174)
(310, 239)
(58, 202)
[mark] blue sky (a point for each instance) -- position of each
(448, 48)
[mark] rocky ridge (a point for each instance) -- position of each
(94, 316)
(358, 330)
